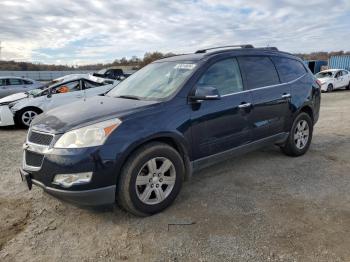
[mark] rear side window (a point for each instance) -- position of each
(27, 82)
(2, 82)
(88, 84)
(345, 73)
(259, 71)
(224, 75)
(288, 69)
(15, 81)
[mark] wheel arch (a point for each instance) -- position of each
(35, 108)
(174, 140)
(18, 112)
(306, 109)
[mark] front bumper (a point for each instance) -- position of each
(92, 197)
(324, 87)
(41, 165)
(6, 116)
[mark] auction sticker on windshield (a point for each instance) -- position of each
(185, 66)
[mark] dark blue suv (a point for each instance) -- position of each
(137, 143)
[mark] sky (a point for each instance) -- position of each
(82, 32)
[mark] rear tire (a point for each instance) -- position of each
(150, 180)
(300, 136)
(24, 117)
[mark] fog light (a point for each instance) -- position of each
(68, 180)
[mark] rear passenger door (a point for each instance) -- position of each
(346, 78)
(15, 85)
(338, 80)
(271, 110)
(4, 88)
(219, 125)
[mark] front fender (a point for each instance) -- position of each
(175, 137)
(30, 102)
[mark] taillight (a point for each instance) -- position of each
(319, 83)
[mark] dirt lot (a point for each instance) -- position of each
(263, 206)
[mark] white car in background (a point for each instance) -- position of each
(333, 79)
(21, 108)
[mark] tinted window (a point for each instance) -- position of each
(288, 69)
(15, 81)
(338, 74)
(27, 82)
(223, 75)
(259, 71)
(2, 82)
(88, 84)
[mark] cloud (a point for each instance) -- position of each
(79, 32)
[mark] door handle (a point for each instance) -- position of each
(286, 96)
(244, 105)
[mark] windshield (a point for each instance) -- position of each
(35, 92)
(154, 82)
(324, 74)
(102, 71)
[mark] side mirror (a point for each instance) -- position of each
(205, 93)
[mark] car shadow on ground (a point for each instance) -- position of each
(6, 128)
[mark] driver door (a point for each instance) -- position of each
(220, 125)
(64, 94)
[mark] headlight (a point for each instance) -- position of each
(94, 135)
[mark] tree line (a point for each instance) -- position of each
(134, 61)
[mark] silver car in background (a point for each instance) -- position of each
(12, 85)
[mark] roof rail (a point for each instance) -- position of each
(268, 48)
(221, 47)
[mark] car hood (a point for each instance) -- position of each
(87, 112)
(12, 98)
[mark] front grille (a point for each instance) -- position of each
(33, 159)
(40, 138)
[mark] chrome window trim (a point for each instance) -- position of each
(265, 87)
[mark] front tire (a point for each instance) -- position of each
(329, 88)
(150, 180)
(300, 136)
(25, 117)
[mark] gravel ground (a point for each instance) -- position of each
(263, 206)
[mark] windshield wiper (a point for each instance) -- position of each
(129, 97)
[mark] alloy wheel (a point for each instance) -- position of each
(155, 180)
(301, 134)
(28, 116)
